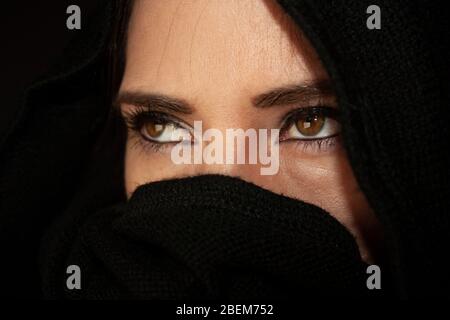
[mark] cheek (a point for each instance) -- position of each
(323, 180)
(143, 167)
(133, 171)
(139, 167)
(327, 181)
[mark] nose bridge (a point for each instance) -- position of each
(227, 148)
(229, 139)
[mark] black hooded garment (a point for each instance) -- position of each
(392, 89)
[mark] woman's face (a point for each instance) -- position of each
(236, 64)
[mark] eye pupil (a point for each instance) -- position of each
(310, 125)
(154, 130)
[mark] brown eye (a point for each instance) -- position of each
(153, 130)
(310, 125)
(164, 132)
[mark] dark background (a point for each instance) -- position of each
(33, 37)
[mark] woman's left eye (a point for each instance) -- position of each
(312, 124)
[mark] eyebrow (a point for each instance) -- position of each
(284, 95)
(154, 101)
(292, 94)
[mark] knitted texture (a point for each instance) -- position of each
(207, 237)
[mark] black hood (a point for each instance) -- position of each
(392, 88)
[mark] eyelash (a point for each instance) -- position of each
(138, 116)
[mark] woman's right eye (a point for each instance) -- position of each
(155, 127)
(167, 132)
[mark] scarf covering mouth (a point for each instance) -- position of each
(205, 237)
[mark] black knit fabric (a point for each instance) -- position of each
(206, 237)
(392, 89)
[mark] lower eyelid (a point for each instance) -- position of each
(322, 145)
(147, 145)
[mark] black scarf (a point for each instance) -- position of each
(205, 237)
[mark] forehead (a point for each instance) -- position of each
(187, 46)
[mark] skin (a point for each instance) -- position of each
(217, 56)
